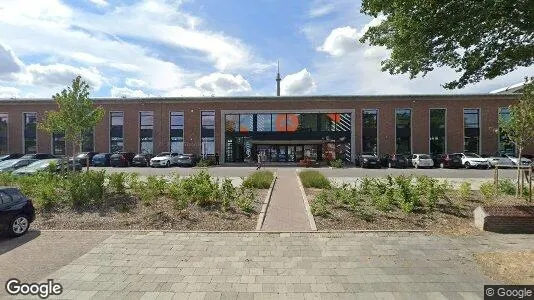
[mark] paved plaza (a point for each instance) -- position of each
(171, 265)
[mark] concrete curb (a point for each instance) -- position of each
(311, 220)
(266, 201)
(156, 232)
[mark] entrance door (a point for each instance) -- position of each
(291, 153)
(299, 153)
(282, 153)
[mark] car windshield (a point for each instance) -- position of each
(472, 155)
(40, 164)
(424, 156)
(83, 154)
(164, 154)
(9, 163)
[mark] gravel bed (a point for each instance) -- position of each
(127, 212)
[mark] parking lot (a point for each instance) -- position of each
(233, 171)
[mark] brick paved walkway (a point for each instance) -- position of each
(282, 266)
(286, 211)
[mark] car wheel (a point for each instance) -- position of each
(442, 165)
(168, 164)
(19, 225)
(467, 165)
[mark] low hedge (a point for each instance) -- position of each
(259, 180)
(314, 179)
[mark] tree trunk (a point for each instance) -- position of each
(519, 177)
(73, 155)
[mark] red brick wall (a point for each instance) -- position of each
(386, 105)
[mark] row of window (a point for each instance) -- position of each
(276, 122)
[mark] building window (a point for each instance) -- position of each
(472, 130)
(177, 132)
(403, 131)
(279, 122)
(58, 143)
(116, 132)
(245, 123)
(207, 132)
(3, 133)
(30, 133)
(146, 132)
(437, 130)
(505, 146)
(264, 122)
(307, 122)
(231, 123)
(88, 142)
(370, 131)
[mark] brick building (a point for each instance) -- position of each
(283, 128)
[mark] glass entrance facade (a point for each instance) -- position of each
(287, 137)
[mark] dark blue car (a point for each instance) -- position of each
(16, 212)
(101, 160)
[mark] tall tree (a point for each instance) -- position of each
(76, 113)
(482, 39)
(519, 127)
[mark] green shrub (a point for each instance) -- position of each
(488, 190)
(117, 182)
(201, 189)
(157, 184)
(383, 197)
(507, 187)
(7, 179)
(245, 200)
(259, 180)
(314, 179)
(46, 195)
(431, 190)
(465, 190)
(179, 195)
(406, 195)
(133, 180)
(365, 185)
(205, 162)
(338, 163)
(319, 205)
(228, 194)
(86, 188)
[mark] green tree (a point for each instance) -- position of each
(76, 113)
(519, 128)
(483, 39)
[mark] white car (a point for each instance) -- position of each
(500, 160)
(473, 160)
(422, 161)
(164, 159)
(515, 160)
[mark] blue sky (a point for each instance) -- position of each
(194, 48)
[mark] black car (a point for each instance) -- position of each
(16, 212)
(101, 160)
(398, 161)
(11, 156)
(39, 156)
(450, 161)
(85, 157)
(141, 160)
(367, 161)
(121, 159)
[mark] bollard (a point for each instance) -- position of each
(496, 176)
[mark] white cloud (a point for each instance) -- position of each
(185, 92)
(135, 83)
(222, 84)
(62, 75)
(120, 92)
(9, 92)
(298, 83)
(101, 3)
(321, 10)
(341, 41)
(9, 63)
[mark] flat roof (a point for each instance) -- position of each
(429, 97)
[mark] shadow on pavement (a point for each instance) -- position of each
(8, 243)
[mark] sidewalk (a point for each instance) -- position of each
(286, 211)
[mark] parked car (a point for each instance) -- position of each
(85, 157)
(13, 164)
(39, 156)
(501, 160)
(473, 160)
(44, 164)
(451, 161)
(16, 212)
(187, 160)
(367, 161)
(397, 161)
(121, 159)
(11, 156)
(142, 160)
(422, 161)
(164, 159)
(101, 160)
(524, 161)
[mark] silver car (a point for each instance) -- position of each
(501, 160)
(524, 161)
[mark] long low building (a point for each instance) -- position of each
(282, 128)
